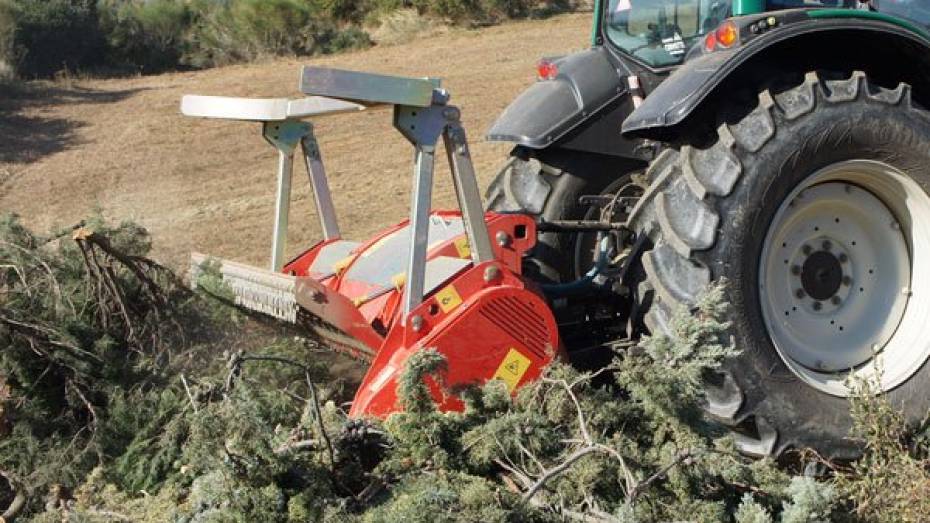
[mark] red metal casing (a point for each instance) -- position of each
(486, 320)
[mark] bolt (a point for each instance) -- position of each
(491, 273)
(875, 347)
(817, 306)
(796, 270)
(895, 225)
(835, 300)
(806, 250)
(503, 239)
(450, 113)
(416, 323)
(906, 291)
(847, 280)
(826, 245)
(799, 293)
(843, 258)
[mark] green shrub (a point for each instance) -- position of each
(248, 29)
(347, 39)
(148, 36)
(56, 35)
(7, 33)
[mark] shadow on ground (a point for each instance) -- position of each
(26, 136)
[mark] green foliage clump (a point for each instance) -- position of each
(149, 37)
(41, 38)
(52, 35)
(891, 480)
(7, 41)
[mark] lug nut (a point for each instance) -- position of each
(799, 293)
(796, 269)
(847, 280)
(817, 306)
(835, 300)
(843, 258)
(826, 245)
(416, 323)
(806, 249)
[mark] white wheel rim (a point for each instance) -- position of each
(838, 290)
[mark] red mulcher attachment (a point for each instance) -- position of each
(433, 281)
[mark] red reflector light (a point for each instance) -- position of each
(546, 70)
(710, 42)
(727, 34)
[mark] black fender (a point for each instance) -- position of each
(587, 84)
(885, 48)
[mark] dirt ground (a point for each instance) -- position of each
(121, 146)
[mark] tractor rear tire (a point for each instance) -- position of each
(550, 193)
(731, 208)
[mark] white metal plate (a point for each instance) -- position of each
(262, 109)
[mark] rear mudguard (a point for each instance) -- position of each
(696, 81)
(586, 84)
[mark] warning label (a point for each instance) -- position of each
(512, 368)
(461, 246)
(448, 298)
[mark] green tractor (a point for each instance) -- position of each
(781, 147)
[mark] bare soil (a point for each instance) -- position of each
(120, 146)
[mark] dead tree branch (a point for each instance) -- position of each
(19, 497)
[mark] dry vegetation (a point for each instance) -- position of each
(121, 145)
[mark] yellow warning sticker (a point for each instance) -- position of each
(461, 246)
(343, 263)
(448, 298)
(512, 368)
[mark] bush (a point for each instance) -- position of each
(56, 35)
(248, 29)
(39, 38)
(7, 34)
(149, 36)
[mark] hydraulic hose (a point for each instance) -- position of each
(559, 290)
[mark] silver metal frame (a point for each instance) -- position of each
(285, 137)
(282, 127)
(421, 113)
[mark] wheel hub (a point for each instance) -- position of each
(831, 276)
(821, 275)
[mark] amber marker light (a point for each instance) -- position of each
(727, 34)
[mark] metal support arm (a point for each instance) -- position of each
(325, 208)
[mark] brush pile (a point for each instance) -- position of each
(124, 396)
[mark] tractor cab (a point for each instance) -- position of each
(660, 33)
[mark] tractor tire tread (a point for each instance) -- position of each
(681, 213)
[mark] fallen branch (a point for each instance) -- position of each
(19, 498)
(188, 391)
(296, 445)
(312, 402)
(558, 469)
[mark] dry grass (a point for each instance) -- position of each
(122, 146)
(404, 26)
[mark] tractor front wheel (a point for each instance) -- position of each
(811, 205)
